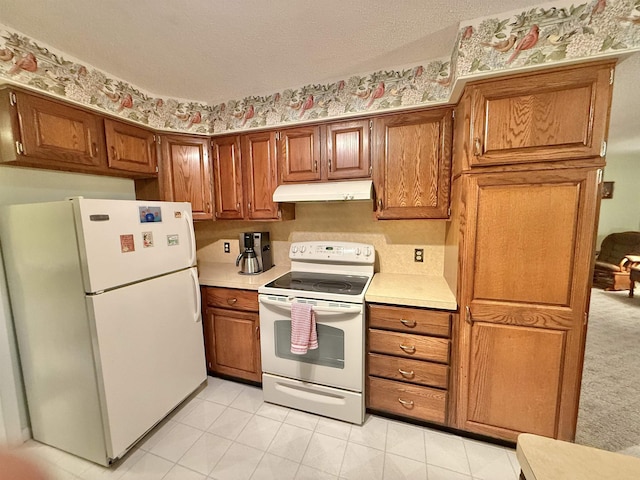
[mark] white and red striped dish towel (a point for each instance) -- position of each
(303, 328)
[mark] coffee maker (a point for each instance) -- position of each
(255, 253)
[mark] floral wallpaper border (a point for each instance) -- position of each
(554, 33)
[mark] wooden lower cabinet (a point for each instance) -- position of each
(526, 257)
(408, 362)
(232, 333)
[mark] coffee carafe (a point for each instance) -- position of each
(248, 260)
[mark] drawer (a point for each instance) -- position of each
(232, 298)
(423, 403)
(407, 370)
(410, 320)
(410, 346)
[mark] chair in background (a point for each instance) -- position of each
(611, 270)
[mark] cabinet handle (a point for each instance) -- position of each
(208, 207)
(231, 301)
(258, 333)
(249, 206)
(379, 204)
(114, 153)
(477, 147)
(467, 315)
(315, 165)
(406, 374)
(94, 149)
(405, 402)
(408, 348)
(408, 323)
(329, 164)
(238, 206)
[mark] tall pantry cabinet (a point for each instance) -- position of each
(528, 158)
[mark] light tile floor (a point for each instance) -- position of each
(227, 432)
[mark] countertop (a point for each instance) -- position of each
(430, 291)
(543, 458)
(213, 274)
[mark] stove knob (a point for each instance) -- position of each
(358, 251)
(294, 249)
(302, 249)
(367, 251)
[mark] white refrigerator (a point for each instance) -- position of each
(106, 305)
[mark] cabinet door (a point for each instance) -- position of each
(227, 169)
(130, 148)
(413, 164)
(525, 261)
(58, 134)
(233, 343)
(553, 116)
(347, 150)
(186, 173)
(260, 171)
(299, 151)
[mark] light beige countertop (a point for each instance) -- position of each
(543, 458)
(431, 291)
(214, 274)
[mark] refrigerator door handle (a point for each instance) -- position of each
(198, 299)
(192, 238)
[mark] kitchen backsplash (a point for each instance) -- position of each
(394, 241)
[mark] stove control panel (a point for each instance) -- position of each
(334, 252)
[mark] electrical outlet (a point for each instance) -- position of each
(227, 247)
(418, 255)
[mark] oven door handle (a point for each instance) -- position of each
(325, 310)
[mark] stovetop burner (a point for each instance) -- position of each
(321, 282)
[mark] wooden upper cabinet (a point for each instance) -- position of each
(347, 149)
(186, 174)
(260, 168)
(552, 116)
(130, 148)
(51, 134)
(332, 151)
(227, 169)
(526, 256)
(299, 151)
(412, 173)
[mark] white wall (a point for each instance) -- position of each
(622, 212)
(22, 185)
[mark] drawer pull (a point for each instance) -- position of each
(406, 374)
(231, 301)
(408, 349)
(405, 402)
(408, 323)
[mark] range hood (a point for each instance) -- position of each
(324, 192)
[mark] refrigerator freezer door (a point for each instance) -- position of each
(123, 241)
(149, 352)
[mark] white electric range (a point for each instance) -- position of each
(333, 278)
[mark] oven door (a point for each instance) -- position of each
(339, 359)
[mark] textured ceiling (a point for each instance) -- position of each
(216, 50)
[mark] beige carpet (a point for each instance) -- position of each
(609, 414)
